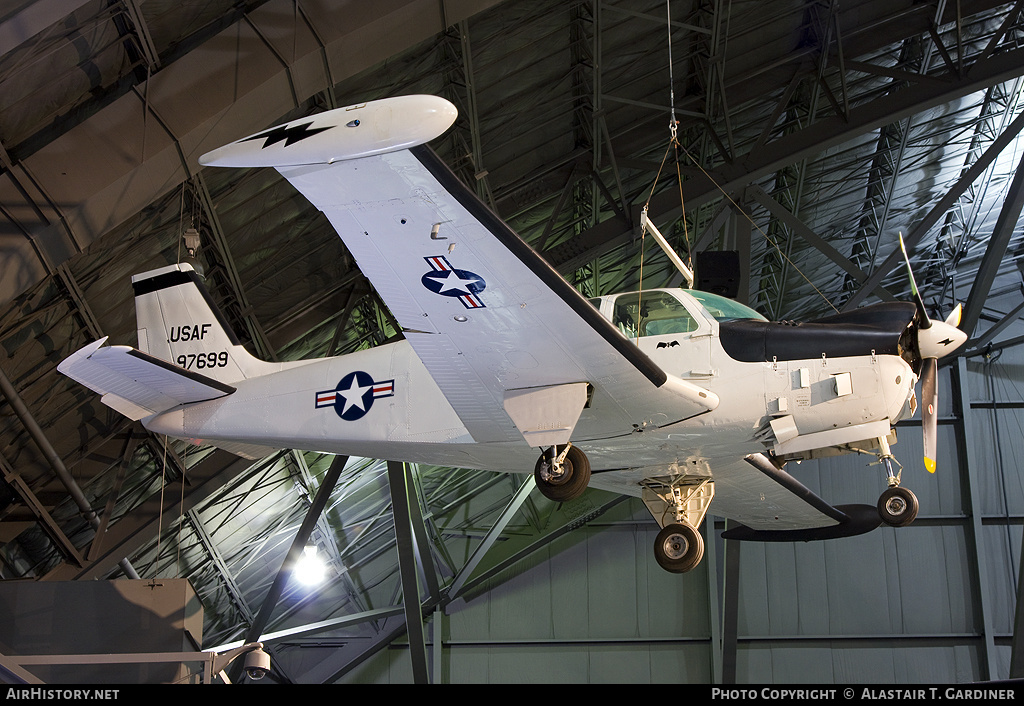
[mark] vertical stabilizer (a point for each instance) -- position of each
(178, 322)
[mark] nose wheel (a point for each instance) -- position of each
(897, 506)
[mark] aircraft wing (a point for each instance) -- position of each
(514, 348)
(489, 318)
(136, 384)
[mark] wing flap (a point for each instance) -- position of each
(136, 384)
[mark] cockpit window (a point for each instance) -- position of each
(651, 314)
(724, 309)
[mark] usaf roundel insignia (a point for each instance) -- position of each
(354, 395)
(445, 280)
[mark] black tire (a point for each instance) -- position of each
(678, 548)
(571, 483)
(897, 507)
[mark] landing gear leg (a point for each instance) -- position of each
(678, 505)
(897, 506)
(562, 473)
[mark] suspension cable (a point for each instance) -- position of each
(675, 145)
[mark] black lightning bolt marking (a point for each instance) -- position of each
(288, 135)
(946, 342)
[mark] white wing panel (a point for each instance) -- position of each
(481, 309)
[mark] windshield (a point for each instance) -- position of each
(724, 309)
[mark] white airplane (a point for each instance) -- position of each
(676, 396)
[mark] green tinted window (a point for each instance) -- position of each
(724, 309)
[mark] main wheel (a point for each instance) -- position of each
(567, 484)
(678, 548)
(897, 507)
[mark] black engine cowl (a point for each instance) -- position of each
(877, 328)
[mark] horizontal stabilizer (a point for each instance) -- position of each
(136, 384)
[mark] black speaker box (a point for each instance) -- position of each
(718, 272)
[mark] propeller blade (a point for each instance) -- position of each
(925, 321)
(929, 410)
(954, 316)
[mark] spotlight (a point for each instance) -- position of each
(309, 569)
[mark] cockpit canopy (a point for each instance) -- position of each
(659, 311)
(745, 335)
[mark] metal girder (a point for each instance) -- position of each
(256, 333)
(409, 556)
(883, 176)
(424, 556)
(142, 32)
(331, 669)
(127, 452)
(454, 590)
(939, 210)
(514, 549)
(270, 601)
(483, 187)
(222, 568)
(214, 117)
(730, 610)
(800, 228)
(980, 342)
(139, 527)
(765, 159)
(320, 626)
(55, 461)
(486, 562)
(34, 18)
(970, 481)
(993, 258)
(49, 526)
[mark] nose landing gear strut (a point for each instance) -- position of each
(897, 506)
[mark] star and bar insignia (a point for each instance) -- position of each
(447, 281)
(354, 395)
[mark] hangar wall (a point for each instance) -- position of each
(930, 603)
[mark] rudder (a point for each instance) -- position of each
(179, 322)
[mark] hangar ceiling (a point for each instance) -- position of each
(808, 135)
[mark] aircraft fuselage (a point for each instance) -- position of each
(382, 403)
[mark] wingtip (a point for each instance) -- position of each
(355, 131)
(84, 352)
